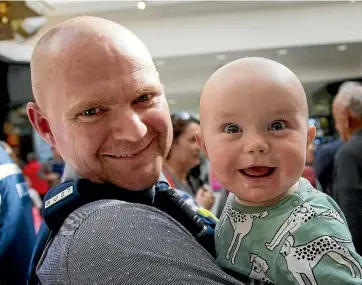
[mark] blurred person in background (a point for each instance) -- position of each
(31, 171)
(347, 184)
(37, 204)
(324, 162)
(13, 149)
(52, 170)
(17, 235)
(183, 157)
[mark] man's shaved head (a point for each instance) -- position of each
(61, 49)
(246, 72)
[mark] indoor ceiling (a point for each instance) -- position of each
(316, 63)
(155, 8)
(291, 56)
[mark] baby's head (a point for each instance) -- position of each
(254, 129)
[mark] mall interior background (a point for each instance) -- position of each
(320, 41)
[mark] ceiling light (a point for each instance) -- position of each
(141, 5)
(282, 52)
(342, 47)
(160, 62)
(221, 56)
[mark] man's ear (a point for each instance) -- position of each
(200, 141)
(310, 134)
(40, 123)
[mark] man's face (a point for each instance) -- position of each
(256, 139)
(109, 118)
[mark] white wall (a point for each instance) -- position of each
(188, 41)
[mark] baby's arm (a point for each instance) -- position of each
(322, 252)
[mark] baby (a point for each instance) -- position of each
(275, 227)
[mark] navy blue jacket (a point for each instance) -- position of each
(17, 234)
(324, 164)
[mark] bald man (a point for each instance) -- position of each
(347, 183)
(99, 101)
(324, 161)
(275, 227)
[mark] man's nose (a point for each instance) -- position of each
(255, 144)
(128, 125)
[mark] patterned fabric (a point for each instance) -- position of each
(115, 242)
(304, 239)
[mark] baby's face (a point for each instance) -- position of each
(255, 134)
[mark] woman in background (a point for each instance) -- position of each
(185, 156)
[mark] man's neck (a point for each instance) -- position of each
(179, 172)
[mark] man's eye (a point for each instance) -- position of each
(91, 112)
(231, 128)
(142, 98)
(277, 126)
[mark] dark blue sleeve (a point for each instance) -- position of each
(323, 166)
(10, 214)
(17, 233)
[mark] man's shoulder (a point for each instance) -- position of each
(352, 149)
(134, 234)
(330, 147)
(102, 208)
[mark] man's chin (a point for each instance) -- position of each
(136, 182)
(136, 186)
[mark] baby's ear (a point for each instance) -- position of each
(310, 134)
(201, 142)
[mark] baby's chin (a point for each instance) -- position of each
(260, 198)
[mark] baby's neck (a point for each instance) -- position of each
(271, 202)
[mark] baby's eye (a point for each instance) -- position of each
(231, 129)
(91, 111)
(277, 126)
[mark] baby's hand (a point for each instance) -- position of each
(205, 197)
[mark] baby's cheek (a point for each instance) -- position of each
(293, 167)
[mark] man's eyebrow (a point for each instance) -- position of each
(149, 89)
(85, 105)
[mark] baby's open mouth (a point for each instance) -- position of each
(258, 171)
